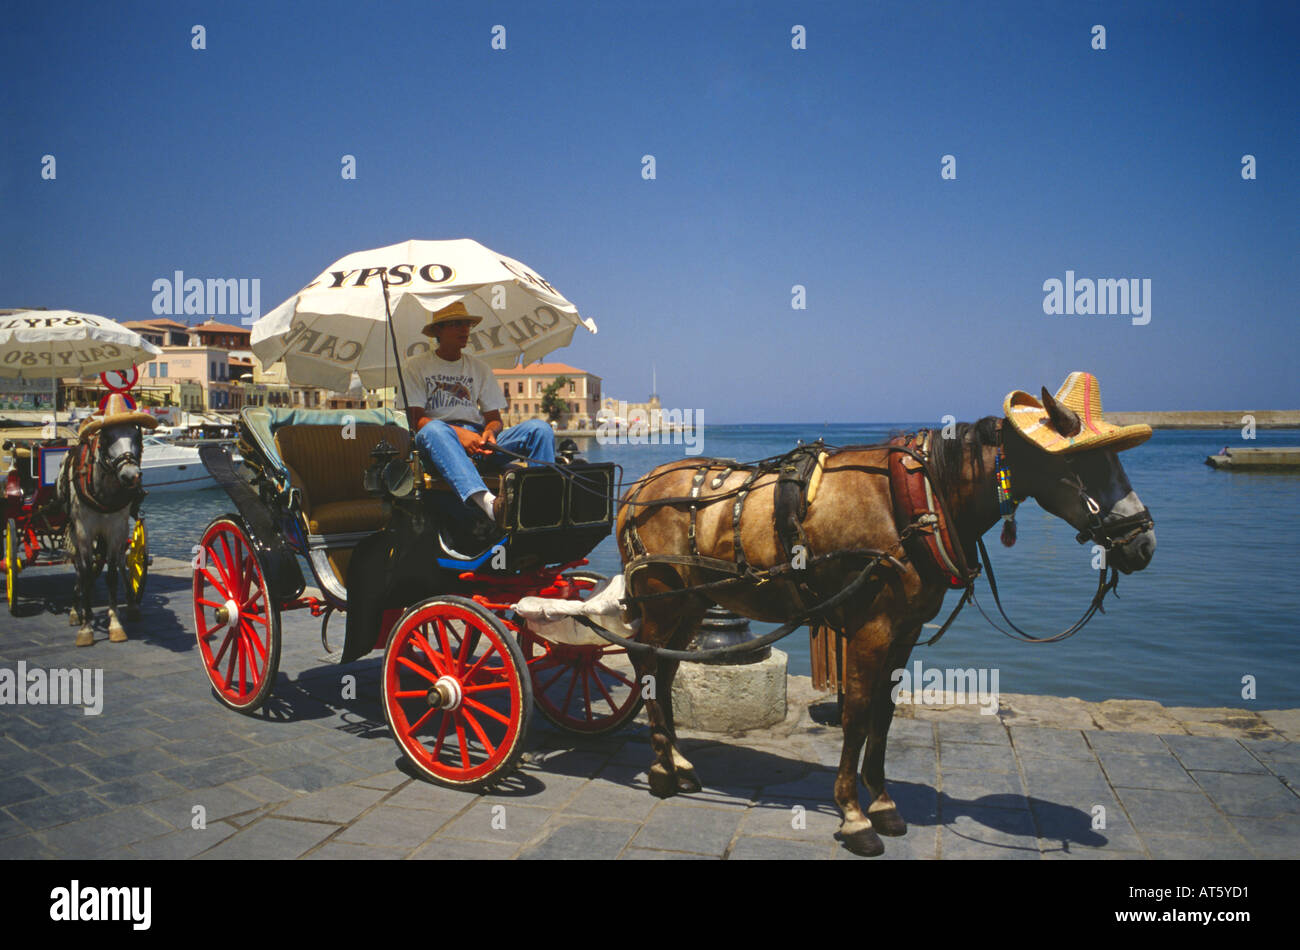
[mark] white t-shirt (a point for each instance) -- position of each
(452, 391)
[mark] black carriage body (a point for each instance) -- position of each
(557, 515)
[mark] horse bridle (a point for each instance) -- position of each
(117, 464)
(1109, 534)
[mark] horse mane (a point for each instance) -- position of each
(946, 459)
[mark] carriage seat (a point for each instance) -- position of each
(328, 470)
(305, 449)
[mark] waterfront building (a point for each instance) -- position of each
(523, 387)
(161, 331)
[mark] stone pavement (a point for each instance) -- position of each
(318, 776)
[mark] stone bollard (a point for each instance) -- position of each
(741, 694)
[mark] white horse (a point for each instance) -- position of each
(100, 488)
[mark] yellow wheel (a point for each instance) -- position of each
(137, 562)
(13, 564)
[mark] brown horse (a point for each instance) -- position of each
(853, 509)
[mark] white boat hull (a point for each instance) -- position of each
(173, 468)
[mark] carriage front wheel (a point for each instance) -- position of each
(456, 692)
(235, 618)
(13, 563)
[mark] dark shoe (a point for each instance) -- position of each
(479, 535)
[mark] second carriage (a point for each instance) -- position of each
(34, 530)
(385, 544)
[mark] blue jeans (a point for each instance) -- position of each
(442, 453)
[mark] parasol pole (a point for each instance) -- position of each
(392, 332)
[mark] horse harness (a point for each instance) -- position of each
(920, 513)
(86, 456)
(926, 530)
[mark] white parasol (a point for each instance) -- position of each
(338, 324)
(44, 343)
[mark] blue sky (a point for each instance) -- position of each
(775, 167)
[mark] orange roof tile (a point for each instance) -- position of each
(161, 323)
(540, 369)
(210, 326)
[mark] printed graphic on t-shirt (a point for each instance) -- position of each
(448, 392)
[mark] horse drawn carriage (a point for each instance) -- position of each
(35, 527)
(863, 540)
(391, 548)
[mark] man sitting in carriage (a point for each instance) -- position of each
(453, 405)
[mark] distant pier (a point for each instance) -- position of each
(1266, 459)
(1209, 419)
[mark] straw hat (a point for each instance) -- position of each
(1077, 430)
(453, 311)
(117, 412)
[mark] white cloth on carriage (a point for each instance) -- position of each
(553, 619)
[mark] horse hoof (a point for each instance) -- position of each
(887, 821)
(85, 637)
(74, 619)
(861, 839)
(133, 612)
(662, 784)
(116, 634)
(687, 783)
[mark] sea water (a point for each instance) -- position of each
(1217, 610)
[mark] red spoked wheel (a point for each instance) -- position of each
(236, 621)
(456, 692)
(589, 689)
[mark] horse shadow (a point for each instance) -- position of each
(731, 772)
(48, 592)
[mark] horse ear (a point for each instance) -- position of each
(1064, 419)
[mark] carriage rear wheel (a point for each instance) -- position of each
(456, 692)
(589, 689)
(235, 618)
(137, 561)
(13, 563)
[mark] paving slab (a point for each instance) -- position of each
(498, 821)
(581, 838)
(1249, 796)
(1129, 743)
(1068, 743)
(270, 839)
(970, 755)
(91, 837)
(1194, 848)
(1146, 771)
(338, 804)
(446, 848)
(1214, 754)
(1154, 811)
(749, 848)
(702, 829)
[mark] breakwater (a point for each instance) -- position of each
(1209, 419)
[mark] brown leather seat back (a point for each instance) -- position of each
(327, 467)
